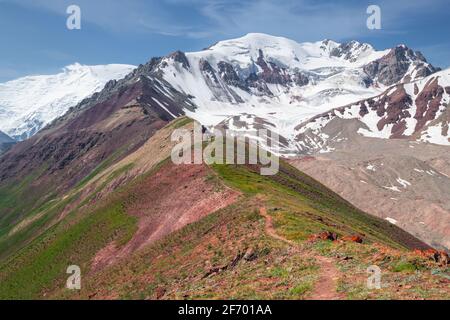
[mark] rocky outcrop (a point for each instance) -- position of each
(399, 64)
(428, 103)
(353, 238)
(180, 57)
(221, 91)
(300, 79)
(393, 110)
(208, 71)
(326, 235)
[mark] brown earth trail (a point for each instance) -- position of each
(325, 288)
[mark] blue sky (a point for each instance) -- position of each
(34, 38)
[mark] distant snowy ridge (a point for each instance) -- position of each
(279, 83)
(29, 103)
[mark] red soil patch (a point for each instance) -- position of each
(175, 196)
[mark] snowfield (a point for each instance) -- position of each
(336, 74)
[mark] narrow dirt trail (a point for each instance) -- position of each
(270, 230)
(325, 288)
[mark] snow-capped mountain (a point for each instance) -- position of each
(5, 138)
(417, 110)
(281, 81)
(28, 104)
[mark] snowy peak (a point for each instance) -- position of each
(29, 103)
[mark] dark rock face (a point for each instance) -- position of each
(346, 50)
(393, 67)
(270, 73)
(219, 88)
(229, 75)
(394, 109)
(180, 57)
(363, 109)
(253, 81)
(447, 90)
(208, 71)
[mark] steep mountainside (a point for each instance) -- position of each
(405, 182)
(28, 104)
(417, 110)
(404, 178)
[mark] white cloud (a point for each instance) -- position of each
(297, 19)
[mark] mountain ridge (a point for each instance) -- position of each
(29, 103)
